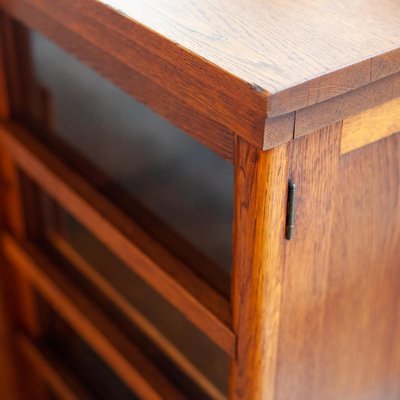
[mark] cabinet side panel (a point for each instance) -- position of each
(340, 313)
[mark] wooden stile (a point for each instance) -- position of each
(17, 95)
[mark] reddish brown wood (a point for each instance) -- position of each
(90, 322)
(310, 119)
(59, 377)
(178, 245)
(316, 317)
(16, 100)
(8, 362)
(214, 135)
(370, 126)
(261, 181)
(202, 305)
(257, 68)
(120, 300)
(341, 294)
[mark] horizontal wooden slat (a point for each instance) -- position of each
(370, 126)
(199, 302)
(329, 112)
(216, 276)
(59, 378)
(118, 299)
(204, 128)
(99, 332)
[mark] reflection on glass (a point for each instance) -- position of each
(186, 185)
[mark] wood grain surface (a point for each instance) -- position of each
(312, 118)
(90, 322)
(298, 52)
(261, 182)
(155, 264)
(134, 315)
(370, 126)
(340, 318)
(229, 66)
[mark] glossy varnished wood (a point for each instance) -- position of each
(261, 181)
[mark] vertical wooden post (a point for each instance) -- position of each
(261, 182)
(9, 388)
(17, 101)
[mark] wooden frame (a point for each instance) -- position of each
(197, 301)
(280, 327)
(14, 66)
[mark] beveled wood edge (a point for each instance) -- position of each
(58, 376)
(85, 317)
(310, 119)
(192, 296)
(134, 315)
(278, 103)
(340, 82)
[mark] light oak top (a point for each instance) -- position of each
(219, 68)
(297, 52)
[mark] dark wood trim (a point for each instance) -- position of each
(63, 247)
(17, 93)
(176, 243)
(99, 332)
(141, 72)
(58, 376)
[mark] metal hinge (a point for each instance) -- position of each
(290, 210)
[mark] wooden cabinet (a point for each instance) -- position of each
(152, 157)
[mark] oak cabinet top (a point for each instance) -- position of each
(219, 68)
(295, 52)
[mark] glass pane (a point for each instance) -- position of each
(189, 187)
(66, 345)
(201, 352)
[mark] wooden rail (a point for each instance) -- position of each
(134, 315)
(99, 332)
(198, 301)
(60, 378)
